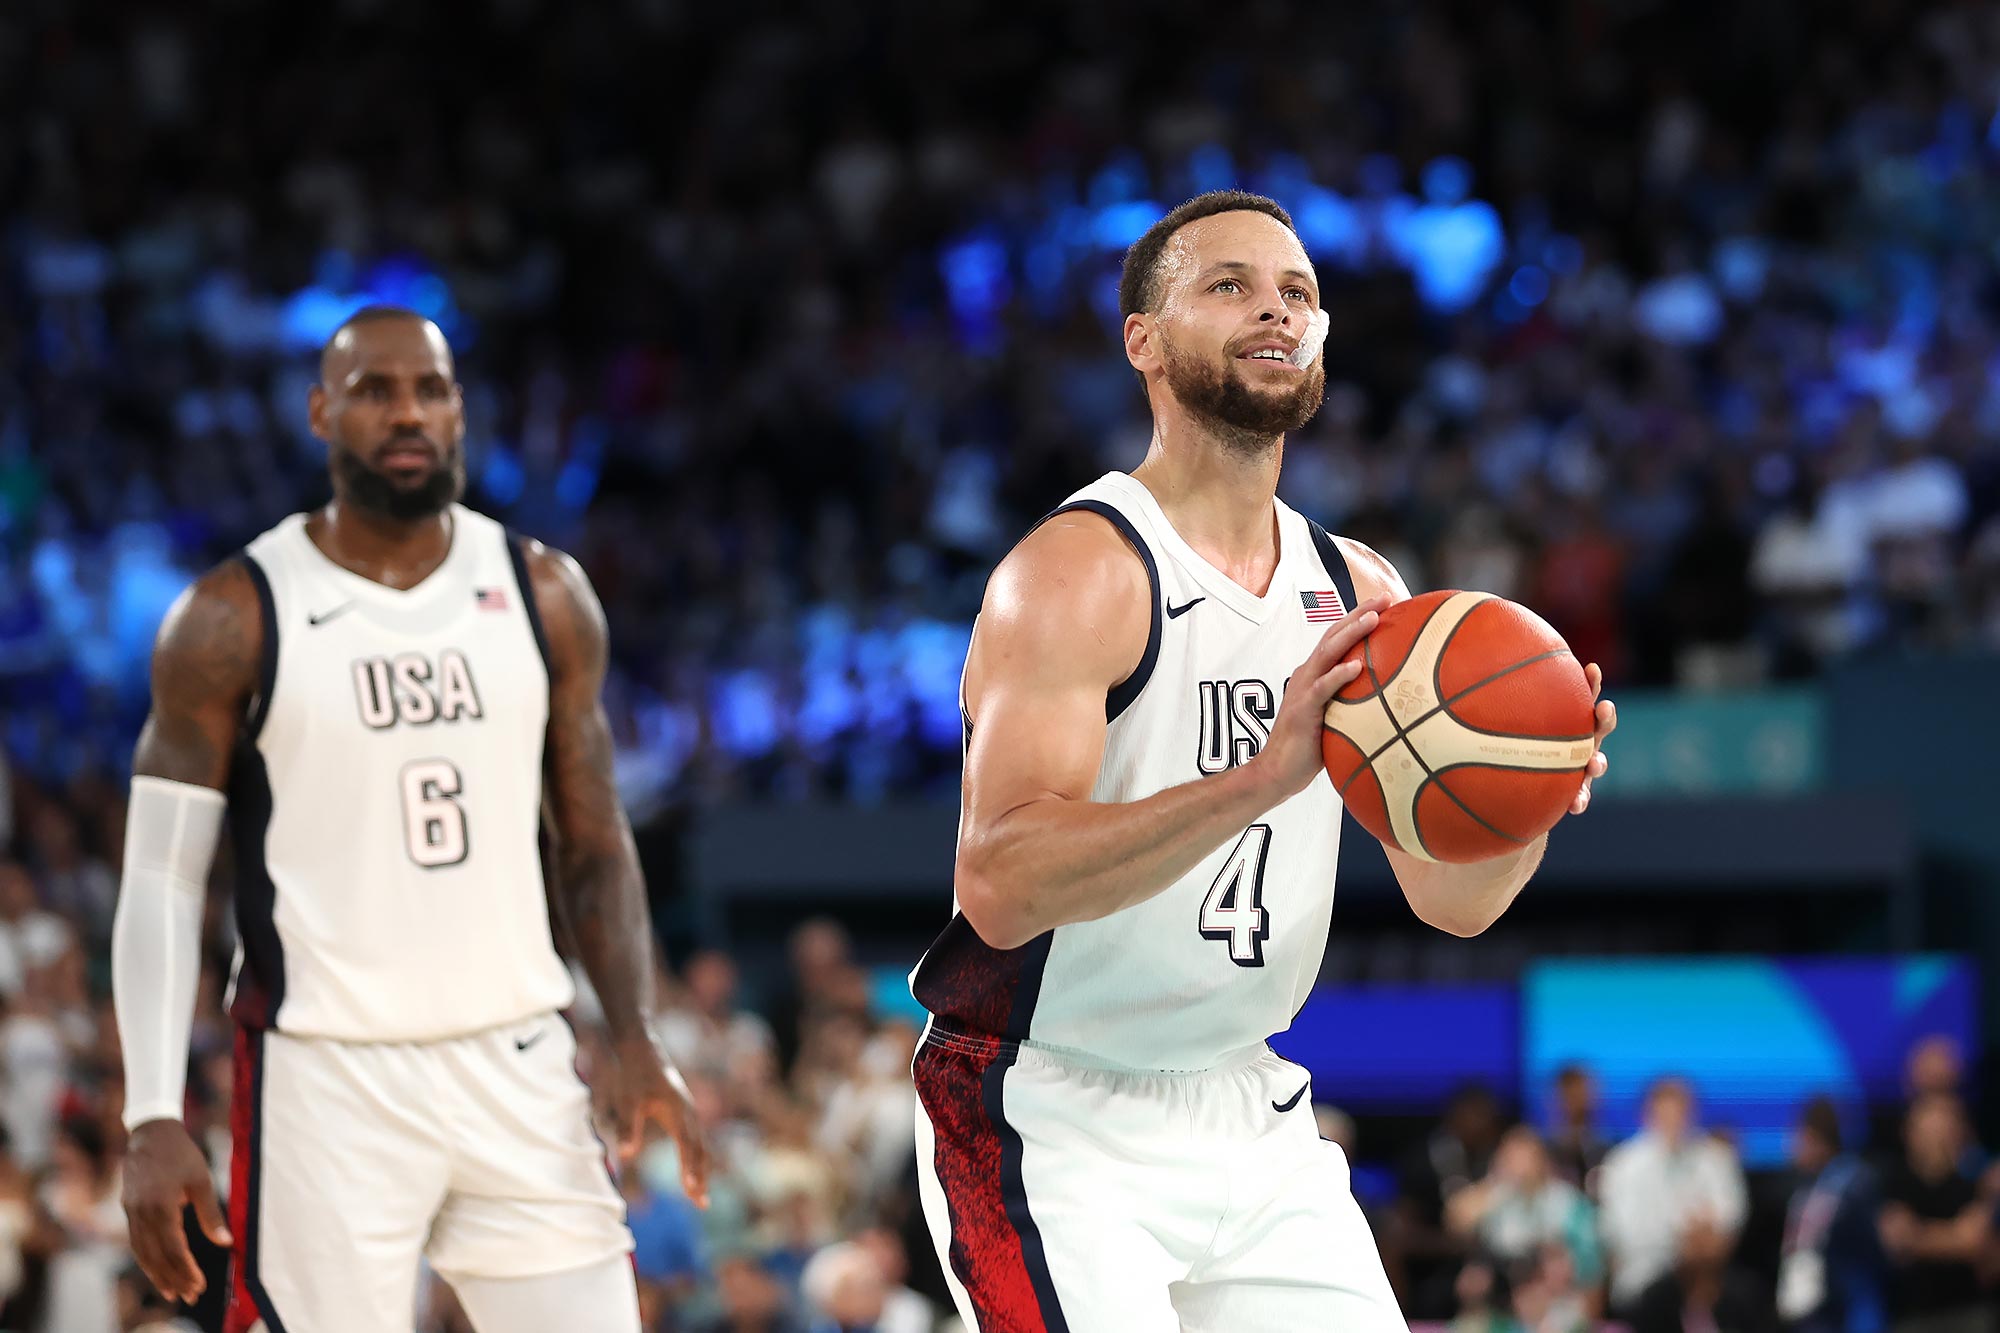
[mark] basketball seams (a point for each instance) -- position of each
(1368, 658)
(1417, 804)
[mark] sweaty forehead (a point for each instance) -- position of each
(395, 347)
(1243, 237)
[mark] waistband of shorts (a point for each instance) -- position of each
(968, 1041)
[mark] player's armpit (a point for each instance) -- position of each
(205, 673)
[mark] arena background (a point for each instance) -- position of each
(1677, 320)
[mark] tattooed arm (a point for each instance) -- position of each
(601, 894)
(204, 673)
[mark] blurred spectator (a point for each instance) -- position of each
(903, 1310)
(1934, 1226)
(81, 1197)
(705, 1030)
(1703, 1292)
(1670, 1194)
(1830, 1272)
(1522, 1209)
(30, 936)
(1458, 1154)
(1576, 1146)
(752, 1300)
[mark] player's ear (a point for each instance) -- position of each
(1142, 348)
(316, 412)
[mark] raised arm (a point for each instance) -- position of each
(205, 672)
(599, 888)
(1065, 620)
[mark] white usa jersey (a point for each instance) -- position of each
(385, 797)
(1228, 953)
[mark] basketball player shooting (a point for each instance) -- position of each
(385, 694)
(1147, 849)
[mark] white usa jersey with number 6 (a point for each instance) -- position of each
(1225, 956)
(385, 798)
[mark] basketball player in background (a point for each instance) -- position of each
(1147, 849)
(385, 694)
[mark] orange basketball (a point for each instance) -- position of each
(1467, 732)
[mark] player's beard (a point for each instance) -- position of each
(365, 488)
(1246, 420)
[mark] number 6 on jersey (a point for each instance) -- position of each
(433, 823)
(1234, 909)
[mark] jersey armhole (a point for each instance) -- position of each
(267, 655)
(1335, 562)
(1125, 692)
(517, 556)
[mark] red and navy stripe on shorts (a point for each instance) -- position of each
(248, 1301)
(996, 1249)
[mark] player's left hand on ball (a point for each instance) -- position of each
(1607, 722)
(650, 1093)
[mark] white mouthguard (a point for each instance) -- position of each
(1307, 351)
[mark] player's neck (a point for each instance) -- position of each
(400, 553)
(1218, 496)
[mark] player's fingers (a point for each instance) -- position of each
(1336, 676)
(1607, 718)
(1582, 801)
(184, 1281)
(694, 1161)
(1599, 762)
(208, 1212)
(1593, 676)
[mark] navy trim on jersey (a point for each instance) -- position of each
(260, 982)
(267, 666)
(1013, 1185)
(517, 556)
(1126, 691)
(1335, 562)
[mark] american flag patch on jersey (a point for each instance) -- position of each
(1322, 606)
(490, 599)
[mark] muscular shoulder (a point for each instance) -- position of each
(1373, 574)
(1075, 592)
(212, 640)
(571, 615)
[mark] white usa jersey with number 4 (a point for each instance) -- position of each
(1226, 955)
(386, 797)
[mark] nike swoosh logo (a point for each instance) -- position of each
(1185, 607)
(323, 617)
(521, 1045)
(1291, 1101)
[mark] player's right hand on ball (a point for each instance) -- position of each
(1292, 758)
(165, 1169)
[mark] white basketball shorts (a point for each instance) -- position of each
(1065, 1198)
(354, 1160)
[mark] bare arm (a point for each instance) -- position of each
(1463, 899)
(1065, 620)
(205, 671)
(600, 890)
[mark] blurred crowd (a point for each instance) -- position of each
(1553, 1228)
(1676, 321)
(799, 1073)
(803, 1089)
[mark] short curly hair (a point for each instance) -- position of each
(1139, 285)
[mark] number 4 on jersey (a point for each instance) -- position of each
(1234, 908)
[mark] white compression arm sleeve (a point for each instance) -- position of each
(170, 834)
